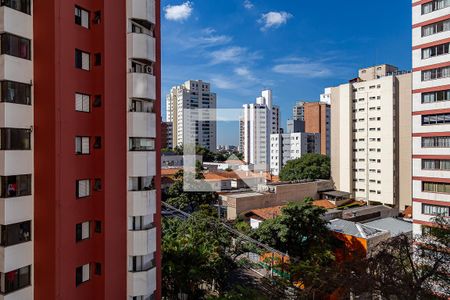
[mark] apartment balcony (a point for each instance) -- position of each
(141, 242)
(141, 124)
(14, 115)
(16, 69)
(141, 46)
(141, 85)
(142, 9)
(25, 293)
(16, 209)
(141, 163)
(16, 22)
(142, 283)
(141, 203)
(14, 162)
(15, 257)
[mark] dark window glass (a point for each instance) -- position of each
(142, 144)
(97, 17)
(97, 184)
(437, 96)
(435, 119)
(15, 280)
(97, 101)
(436, 187)
(15, 92)
(16, 46)
(15, 139)
(20, 5)
(15, 186)
(141, 183)
(142, 263)
(98, 142)
(142, 223)
(98, 59)
(79, 275)
(98, 269)
(14, 234)
(82, 60)
(98, 226)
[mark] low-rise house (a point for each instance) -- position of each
(257, 216)
(271, 194)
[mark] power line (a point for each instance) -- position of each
(233, 231)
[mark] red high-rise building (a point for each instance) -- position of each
(79, 174)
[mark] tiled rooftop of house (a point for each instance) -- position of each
(265, 213)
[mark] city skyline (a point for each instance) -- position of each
(235, 46)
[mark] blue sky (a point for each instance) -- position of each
(294, 47)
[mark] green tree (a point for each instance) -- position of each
(302, 232)
(297, 230)
(309, 166)
(187, 201)
(195, 255)
(406, 268)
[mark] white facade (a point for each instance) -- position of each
(298, 111)
(430, 112)
(260, 120)
(326, 96)
(193, 94)
(289, 146)
(16, 155)
(141, 160)
(365, 132)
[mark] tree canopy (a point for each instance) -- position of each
(188, 201)
(195, 255)
(310, 166)
(301, 232)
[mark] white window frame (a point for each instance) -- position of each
(82, 145)
(83, 188)
(82, 102)
(83, 15)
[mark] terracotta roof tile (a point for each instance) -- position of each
(169, 172)
(324, 203)
(265, 213)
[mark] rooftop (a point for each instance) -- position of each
(336, 194)
(324, 203)
(354, 229)
(393, 225)
(265, 213)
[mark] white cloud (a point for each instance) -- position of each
(222, 83)
(274, 19)
(233, 54)
(244, 72)
(305, 69)
(179, 12)
(209, 38)
(248, 4)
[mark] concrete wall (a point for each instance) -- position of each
(404, 141)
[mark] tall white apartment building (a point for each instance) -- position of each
(191, 95)
(370, 136)
(430, 112)
(288, 146)
(298, 111)
(260, 120)
(326, 96)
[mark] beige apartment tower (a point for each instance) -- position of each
(371, 136)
